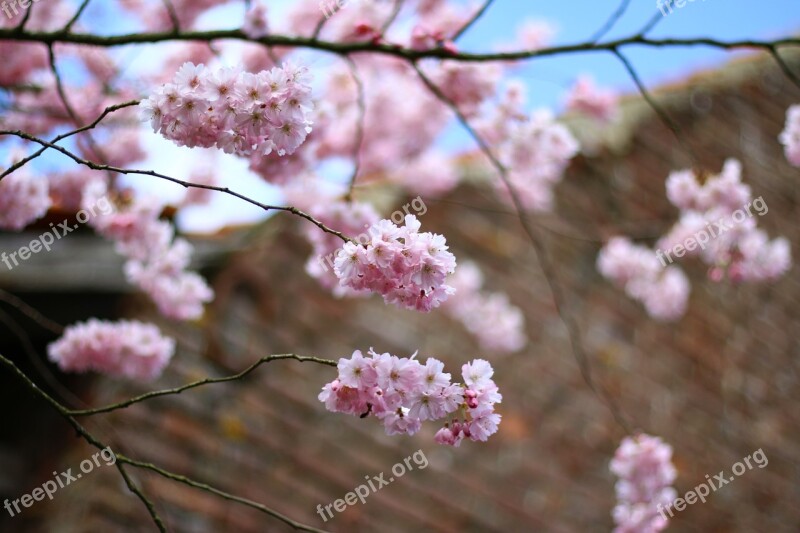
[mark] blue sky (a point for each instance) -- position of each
(577, 20)
(547, 78)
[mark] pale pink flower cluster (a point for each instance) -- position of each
(126, 348)
(790, 136)
(23, 199)
(391, 139)
(587, 98)
(467, 85)
(402, 393)
(66, 188)
(437, 25)
(255, 21)
(236, 111)
(717, 223)
(535, 149)
(406, 267)
(431, 174)
(741, 250)
(355, 219)
(20, 60)
(663, 291)
(476, 308)
(157, 262)
(644, 467)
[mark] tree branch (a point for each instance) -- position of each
(225, 190)
(200, 383)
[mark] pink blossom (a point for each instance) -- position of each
(585, 97)
(236, 111)
(23, 199)
(402, 393)
(156, 261)
(663, 291)
(476, 308)
(255, 21)
(467, 85)
(404, 266)
(535, 150)
(126, 348)
(645, 471)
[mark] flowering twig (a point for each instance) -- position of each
(187, 184)
(200, 383)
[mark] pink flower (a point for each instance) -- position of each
(23, 199)
(123, 349)
(585, 97)
(156, 260)
(476, 308)
(402, 393)
(645, 471)
(235, 111)
(406, 267)
(255, 21)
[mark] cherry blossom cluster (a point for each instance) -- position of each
(717, 224)
(587, 98)
(498, 325)
(350, 218)
(663, 291)
(644, 467)
(535, 149)
(239, 112)
(402, 393)
(23, 198)
(406, 267)
(156, 260)
(790, 136)
(723, 207)
(127, 348)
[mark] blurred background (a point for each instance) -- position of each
(717, 385)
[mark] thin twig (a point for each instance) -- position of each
(173, 15)
(358, 142)
(30, 312)
(68, 26)
(57, 138)
(200, 383)
(478, 14)
(217, 492)
(91, 439)
(665, 118)
(605, 28)
(187, 184)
